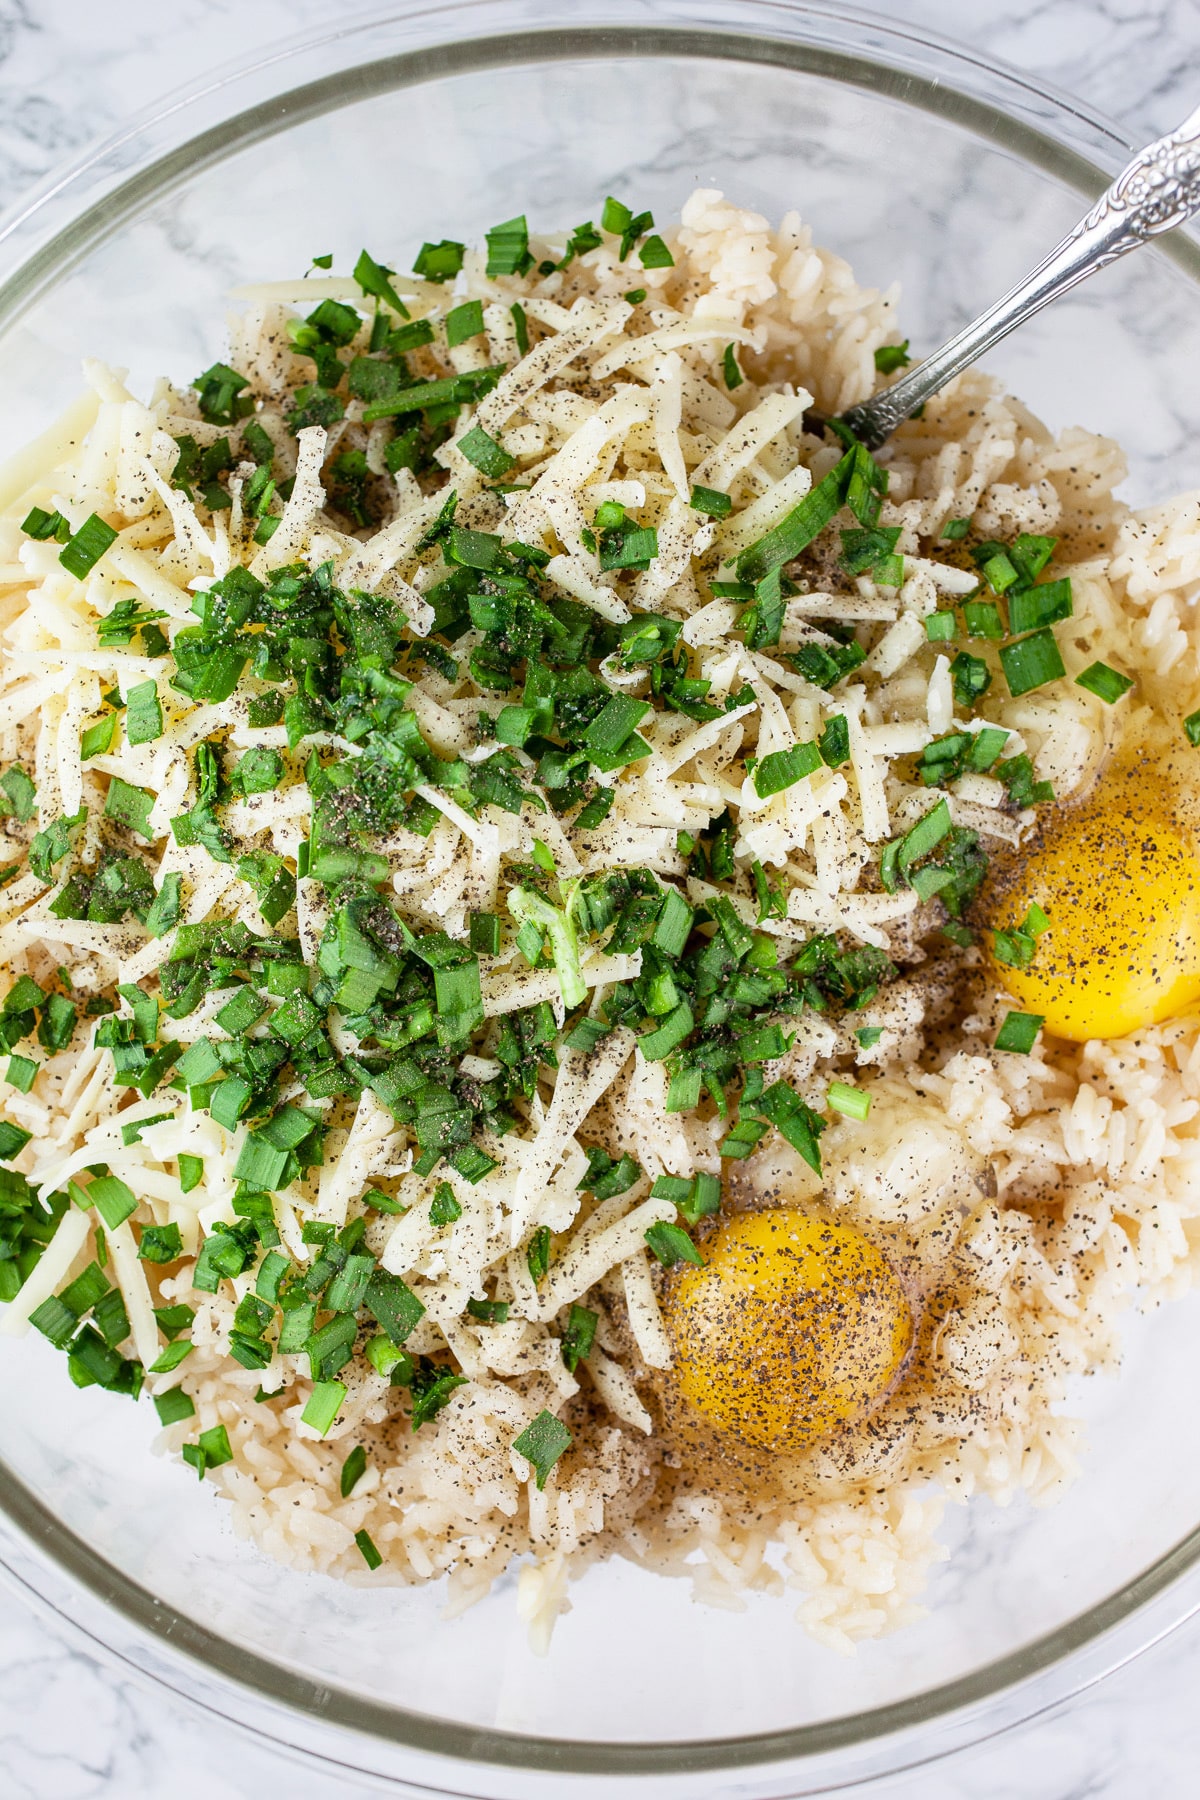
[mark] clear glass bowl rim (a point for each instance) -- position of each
(42, 236)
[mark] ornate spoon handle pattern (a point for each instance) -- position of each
(1158, 190)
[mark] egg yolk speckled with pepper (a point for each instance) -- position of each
(794, 1327)
(1118, 879)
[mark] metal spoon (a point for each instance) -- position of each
(1158, 190)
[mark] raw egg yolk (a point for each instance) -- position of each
(1119, 880)
(793, 1328)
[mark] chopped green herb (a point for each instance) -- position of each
(890, 357)
(353, 1470)
(80, 554)
(1019, 1032)
(367, 1550)
(729, 366)
(542, 1443)
(1031, 662)
(1107, 683)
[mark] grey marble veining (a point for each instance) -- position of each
(74, 1728)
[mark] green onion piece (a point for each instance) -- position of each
(953, 530)
(537, 1254)
(191, 1171)
(1107, 683)
(112, 1200)
(485, 933)
(20, 794)
(324, 1404)
(143, 714)
(851, 1101)
(97, 739)
(1031, 662)
(521, 327)
(440, 262)
(972, 678)
(711, 501)
(982, 620)
(654, 254)
(21, 1072)
(579, 1336)
(444, 1209)
(729, 368)
(834, 741)
(782, 769)
(489, 457)
(941, 627)
(129, 806)
(367, 1550)
(173, 1406)
(171, 1357)
(890, 357)
(1019, 1032)
(463, 322)
(1191, 726)
(12, 1140)
(542, 1443)
(160, 1244)
(353, 1470)
(671, 1244)
(1032, 607)
(659, 1043)
(80, 554)
(374, 279)
(799, 527)
(508, 248)
(869, 1036)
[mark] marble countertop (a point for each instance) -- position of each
(72, 1728)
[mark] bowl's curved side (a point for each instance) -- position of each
(147, 194)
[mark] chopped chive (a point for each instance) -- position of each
(890, 357)
(711, 501)
(173, 1406)
(97, 739)
(1031, 662)
(80, 554)
(489, 457)
(21, 1072)
(521, 327)
(671, 1244)
(440, 262)
(982, 619)
(129, 806)
(1032, 607)
(729, 367)
(635, 296)
(1106, 683)
(143, 714)
(191, 1171)
(852, 1101)
(655, 255)
(941, 627)
(869, 1035)
(463, 322)
(1191, 726)
(508, 248)
(1019, 1032)
(323, 1405)
(367, 1550)
(112, 1200)
(542, 1443)
(537, 1254)
(953, 530)
(782, 769)
(353, 1470)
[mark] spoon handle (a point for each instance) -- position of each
(1155, 192)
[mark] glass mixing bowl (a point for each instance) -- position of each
(925, 166)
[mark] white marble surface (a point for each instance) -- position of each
(75, 1729)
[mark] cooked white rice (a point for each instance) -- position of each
(1074, 1168)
